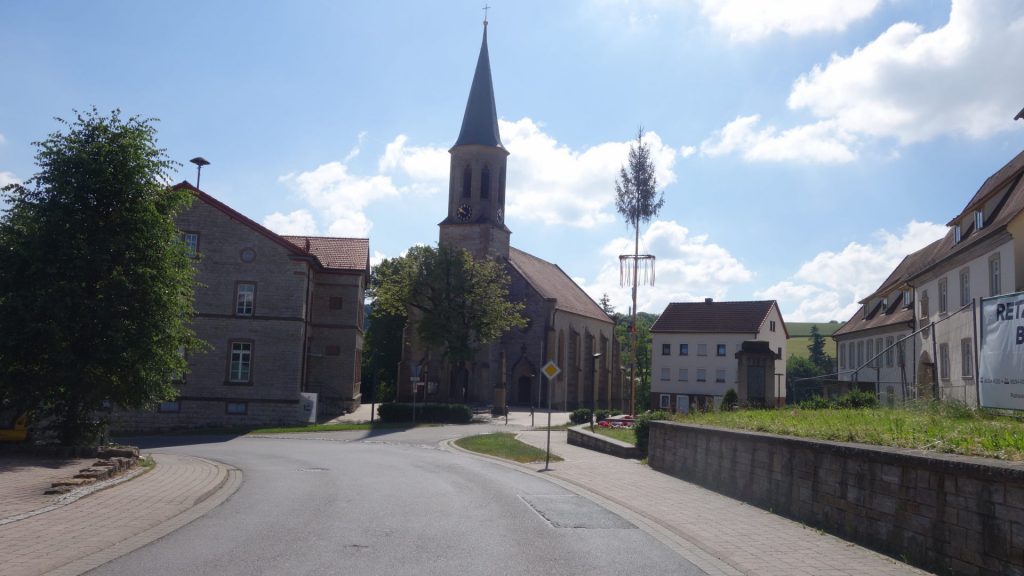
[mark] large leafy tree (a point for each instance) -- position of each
(96, 289)
(459, 303)
(382, 345)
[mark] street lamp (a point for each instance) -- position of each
(199, 161)
(593, 404)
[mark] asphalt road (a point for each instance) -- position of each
(390, 504)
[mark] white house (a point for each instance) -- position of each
(698, 353)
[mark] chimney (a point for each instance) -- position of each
(708, 300)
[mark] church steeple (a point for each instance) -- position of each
(476, 178)
(480, 122)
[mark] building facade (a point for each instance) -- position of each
(699, 350)
(564, 324)
(281, 316)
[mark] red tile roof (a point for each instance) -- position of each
(553, 283)
(335, 253)
(715, 317)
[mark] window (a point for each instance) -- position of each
(485, 183)
(943, 296)
(944, 361)
(979, 219)
(720, 375)
(860, 354)
(994, 276)
(907, 302)
(467, 182)
(924, 310)
(885, 305)
(236, 408)
(244, 296)
(191, 240)
(871, 352)
(878, 350)
(335, 302)
(889, 350)
(684, 349)
(665, 374)
(702, 375)
(966, 358)
(240, 369)
(666, 349)
(169, 407)
(682, 403)
(965, 287)
(842, 355)
(665, 402)
(720, 350)
(900, 353)
(684, 374)
(956, 234)
(771, 326)
(702, 349)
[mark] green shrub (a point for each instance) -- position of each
(429, 412)
(857, 399)
(642, 427)
(602, 413)
(730, 400)
(815, 403)
(580, 416)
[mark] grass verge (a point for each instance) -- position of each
(621, 434)
(503, 445)
(949, 428)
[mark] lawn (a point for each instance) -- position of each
(926, 426)
(503, 445)
(621, 434)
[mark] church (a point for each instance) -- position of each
(564, 324)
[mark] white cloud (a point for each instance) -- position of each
(341, 197)
(688, 268)
(687, 151)
(555, 184)
(3, 140)
(828, 286)
(823, 143)
(8, 178)
(377, 258)
(752, 20)
(907, 84)
(297, 223)
(424, 164)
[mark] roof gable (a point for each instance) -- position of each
(552, 283)
(715, 317)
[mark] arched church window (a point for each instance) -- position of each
(501, 186)
(467, 181)
(485, 183)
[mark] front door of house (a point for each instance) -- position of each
(524, 395)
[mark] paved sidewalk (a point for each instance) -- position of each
(23, 481)
(720, 535)
(77, 537)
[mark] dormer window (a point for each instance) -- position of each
(885, 305)
(906, 298)
(979, 219)
(956, 234)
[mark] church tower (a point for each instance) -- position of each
(476, 177)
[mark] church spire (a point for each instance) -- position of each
(480, 122)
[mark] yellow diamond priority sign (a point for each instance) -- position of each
(551, 369)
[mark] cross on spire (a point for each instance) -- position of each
(486, 8)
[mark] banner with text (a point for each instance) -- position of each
(1001, 361)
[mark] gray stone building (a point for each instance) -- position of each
(282, 315)
(565, 324)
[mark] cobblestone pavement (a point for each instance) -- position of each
(86, 533)
(23, 481)
(720, 535)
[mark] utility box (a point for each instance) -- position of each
(307, 407)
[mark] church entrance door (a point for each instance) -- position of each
(524, 390)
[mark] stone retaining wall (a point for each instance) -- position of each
(577, 436)
(943, 513)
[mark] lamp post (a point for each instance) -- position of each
(593, 404)
(199, 161)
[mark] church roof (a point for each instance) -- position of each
(480, 122)
(553, 283)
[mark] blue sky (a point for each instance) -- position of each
(804, 147)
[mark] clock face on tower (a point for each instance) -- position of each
(464, 213)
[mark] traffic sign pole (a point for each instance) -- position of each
(550, 370)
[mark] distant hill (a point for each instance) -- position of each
(800, 337)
